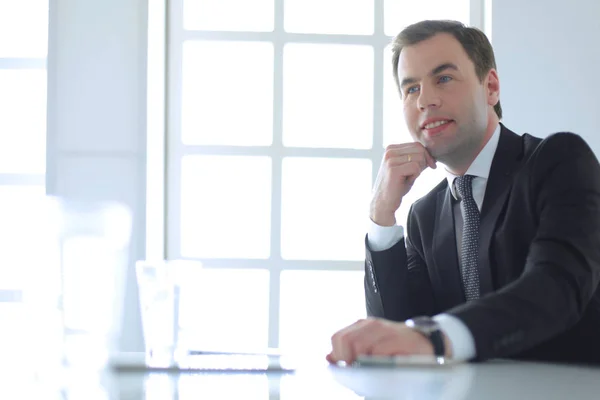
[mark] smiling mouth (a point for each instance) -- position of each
(436, 124)
(436, 128)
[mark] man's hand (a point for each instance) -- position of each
(376, 336)
(401, 166)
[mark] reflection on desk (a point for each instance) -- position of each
(493, 380)
(498, 379)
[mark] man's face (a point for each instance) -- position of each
(445, 105)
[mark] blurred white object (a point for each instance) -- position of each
(93, 243)
(159, 285)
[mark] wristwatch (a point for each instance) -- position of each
(429, 328)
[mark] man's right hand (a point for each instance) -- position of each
(401, 166)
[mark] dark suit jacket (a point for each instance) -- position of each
(539, 256)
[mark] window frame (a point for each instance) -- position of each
(175, 150)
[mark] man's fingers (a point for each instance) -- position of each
(408, 159)
(413, 149)
(389, 345)
(409, 171)
(341, 342)
(370, 335)
(402, 341)
(330, 359)
(400, 145)
(358, 339)
(409, 155)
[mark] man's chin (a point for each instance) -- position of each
(442, 154)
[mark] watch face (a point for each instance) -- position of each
(424, 324)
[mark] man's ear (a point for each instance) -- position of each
(493, 87)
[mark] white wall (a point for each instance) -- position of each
(96, 115)
(548, 60)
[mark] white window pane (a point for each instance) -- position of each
(22, 121)
(20, 213)
(229, 15)
(394, 127)
(226, 309)
(336, 300)
(23, 28)
(223, 386)
(227, 92)
(15, 336)
(325, 208)
(329, 16)
(398, 14)
(225, 207)
(328, 96)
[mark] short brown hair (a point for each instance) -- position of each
(476, 45)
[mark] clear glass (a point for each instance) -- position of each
(225, 207)
(160, 286)
(329, 16)
(229, 15)
(325, 205)
(398, 14)
(227, 93)
(328, 96)
(156, 288)
(228, 309)
(336, 300)
(22, 120)
(23, 28)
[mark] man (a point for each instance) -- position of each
(502, 258)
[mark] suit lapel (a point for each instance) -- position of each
(445, 253)
(504, 165)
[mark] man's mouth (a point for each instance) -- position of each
(435, 124)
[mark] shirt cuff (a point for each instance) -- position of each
(383, 237)
(460, 337)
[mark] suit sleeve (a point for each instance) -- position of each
(397, 285)
(562, 270)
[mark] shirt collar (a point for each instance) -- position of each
(480, 167)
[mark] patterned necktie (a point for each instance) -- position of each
(470, 237)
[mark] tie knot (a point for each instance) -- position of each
(464, 187)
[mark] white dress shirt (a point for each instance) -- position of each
(384, 237)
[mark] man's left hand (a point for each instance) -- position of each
(376, 336)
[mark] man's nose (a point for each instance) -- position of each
(428, 98)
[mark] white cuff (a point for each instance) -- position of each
(460, 337)
(383, 237)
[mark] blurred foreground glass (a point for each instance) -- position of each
(160, 284)
(76, 291)
(93, 243)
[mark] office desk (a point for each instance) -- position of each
(490, 381)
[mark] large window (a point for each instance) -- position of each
(279, 113)
(23, 48)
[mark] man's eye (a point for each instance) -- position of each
(412, 89)
(444, 79)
